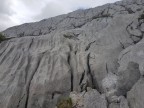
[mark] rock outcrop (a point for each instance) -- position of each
(89, 99)
(100, 48)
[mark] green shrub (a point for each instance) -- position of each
(2, 37)
(64, 103)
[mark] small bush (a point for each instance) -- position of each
(64, 103)
(2, 37)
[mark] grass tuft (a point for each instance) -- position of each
(64, 103)
(2, 37)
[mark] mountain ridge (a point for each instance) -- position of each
(59, 19)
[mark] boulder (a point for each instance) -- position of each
(89, 99)
(135, 96)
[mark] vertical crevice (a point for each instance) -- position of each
(32, 40)
(90, 77)
(27, 67)
(82, 77)
(71, 81)
(107, 69)
(30, 79)
(71, 71)
(89, 73)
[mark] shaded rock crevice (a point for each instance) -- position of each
(31, 78)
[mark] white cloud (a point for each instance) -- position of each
(5, 22)
(22, 11)
(52, 9)
(57, 7)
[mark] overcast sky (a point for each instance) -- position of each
(15, 12)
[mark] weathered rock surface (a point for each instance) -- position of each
(89, 99)
(121, 104)
(46, 60)
(136, 95)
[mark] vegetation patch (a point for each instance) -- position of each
(2, 37)
(64, 103)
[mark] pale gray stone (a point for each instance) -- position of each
(122, 103)
(44, 61)
(135, 96)
(89, 99)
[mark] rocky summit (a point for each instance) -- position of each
(91, 58)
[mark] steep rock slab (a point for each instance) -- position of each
(37, 75)
(51, 58)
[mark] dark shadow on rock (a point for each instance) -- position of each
(127, 78)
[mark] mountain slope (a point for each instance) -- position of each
(101, 48)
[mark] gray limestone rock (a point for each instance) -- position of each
(121, 104)
(89, 99)
(135, 96)
(43, 61)
(127, 78)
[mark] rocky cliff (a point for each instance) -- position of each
(93, 56)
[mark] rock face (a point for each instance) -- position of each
(136, 95)
(44, 61)
(89, 99)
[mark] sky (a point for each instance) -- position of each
(16, 12)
